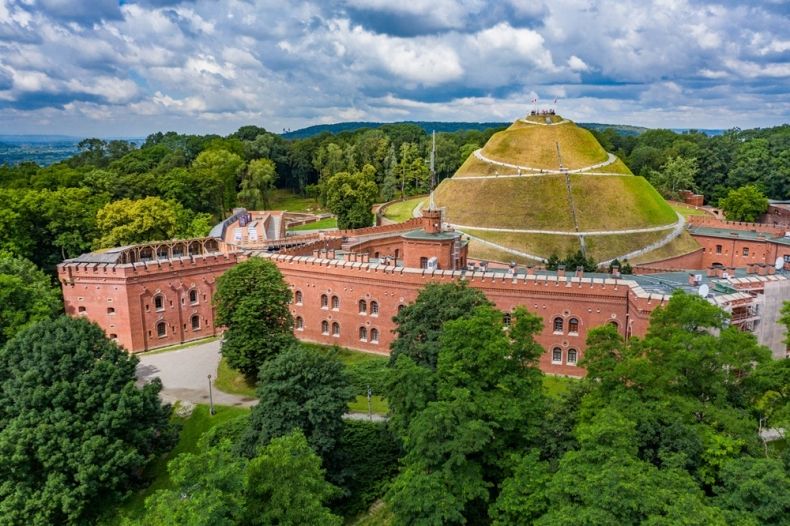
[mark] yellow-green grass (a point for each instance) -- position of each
(686, 210)
(683, 244)
(536, 147)
(555, 386)
(402, 210)
(231, 381)
(542, 245)
(617, 167)
(379, 514)
(329, 222)
(377, 404)
(474, 167)
(541, 119)
(347, 356)
(528, 203)
(614, 203)
(193, 427)
(602, 248)
(281, 199)
(481, 251)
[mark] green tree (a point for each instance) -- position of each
(252, 303)
(784, 319)
(488, 406)
(419, 324)
(351, 196)
(754, 491)
(75, 430)
(256, 184)
(299, 389)
(26, 296)
(127, 222)
(218, 170)
(676, 174)
(747, 203)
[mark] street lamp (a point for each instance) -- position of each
(210, 397)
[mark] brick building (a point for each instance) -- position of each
(347, 286)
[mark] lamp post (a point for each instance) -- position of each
(210, 397)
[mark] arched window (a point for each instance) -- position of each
(159, 302)
(195, 322)
(299, 323)
(556, 355)
(298, 297)
(507, 319)
(374, 335)
(400, 307)
(363, 307)
(161, 329)
(571, 356)
(558, 324)
(335, 302)
(324, 301)
(374, 308)
(614, 324)
(113, 336)
(193, 296)
(335, 329)
(324, 327)
(363, 334)
(573, 325)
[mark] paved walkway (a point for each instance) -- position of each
(184, 374)
(609, 160)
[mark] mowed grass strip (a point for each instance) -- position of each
(527, 203)
(282, 199)
(536, 146)
(683, 244)
(616, 203)
(542, 245)
(329, 222)
(481, 251)
(402, 210)
(602, 248)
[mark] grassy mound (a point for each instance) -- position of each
(542, 245)
(536, 146)
(614, 203)
(602, 248)
(402, 210)
(683, 244)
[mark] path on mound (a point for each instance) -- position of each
(611, 158)
(679, 223)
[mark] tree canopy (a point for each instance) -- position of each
(747, 203)
(26, 296)
(75, 430)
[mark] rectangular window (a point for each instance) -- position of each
(718, 249)
(745, 251)
(556, 355)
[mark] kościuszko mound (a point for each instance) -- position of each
(546, 186)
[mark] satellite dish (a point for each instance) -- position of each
(780, 263)
(703, 291)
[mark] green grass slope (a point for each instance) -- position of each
(614, 203)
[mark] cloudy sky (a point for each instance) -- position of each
(104, 67)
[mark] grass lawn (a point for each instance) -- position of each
(377, 404)
(323, 224)
(683, 244)
(557, 385)
(192, 429)
(231, 381)
(542, 245)
(536, 147)
(179, 346)
(686, 210)
(347, 356)
(282, 199)
(402, 210)
(379, 514)
(601, 248)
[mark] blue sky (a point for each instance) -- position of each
(103, 67)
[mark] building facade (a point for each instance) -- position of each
(348, 285)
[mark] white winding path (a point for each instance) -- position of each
(611, 158)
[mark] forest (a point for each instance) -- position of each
(664, 430)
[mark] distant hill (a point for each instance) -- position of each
(621, 129)
(428, 126)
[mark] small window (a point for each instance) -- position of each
(335, 302)
(558, 324)
(400, 307)
(81, 309)
(423, 262)
(161, 329)
(324, 301)
(159, 303)
(506, 319)
(193, 297)
(111, 311)
(374, 308)
(113, 336)
(363, 307)
(335, 329)
(195, 322)
(573, 326)
(299, 323)
(374, 335)
(614, 324)
(745, 251)
(571, 356)
(556, 355)
(363, 334)
(324, 327)
(298, 297)
(718, 249)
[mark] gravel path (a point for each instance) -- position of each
(479, 154)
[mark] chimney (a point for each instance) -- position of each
(432, 221)
(579, 272)
(615, 271)
(561, 271)
(530, 270)
(762, 269)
